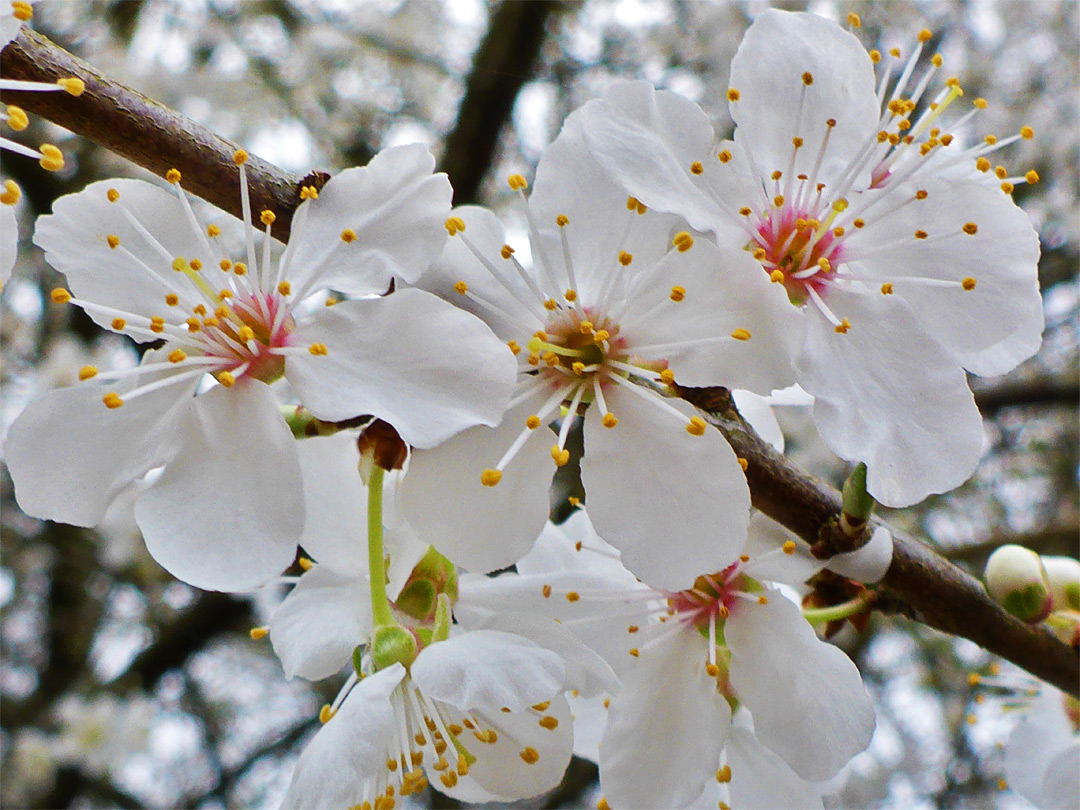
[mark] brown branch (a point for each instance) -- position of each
(928, 588)
(144, 131)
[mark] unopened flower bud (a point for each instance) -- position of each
(381, 446)
(433, 576)
(1016, 579)
(393, 644)
(1063, 576)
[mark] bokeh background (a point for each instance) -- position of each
(124, 688)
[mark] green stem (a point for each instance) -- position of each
(380, 605)
(844, 610)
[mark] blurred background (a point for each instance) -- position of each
(123, 688)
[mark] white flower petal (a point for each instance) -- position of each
(666, 728)
(674, 504)
(761, 780)
(1061, 780)
(335, 503)
(775, 105)
(806, 696)
(426, 367)
(1043, 732)
(70, 456)
(724, 290)
(866, 564)
(890, 396)
(75, 240)
(764, 540)
(500, 769)
(758, 412)
(318, 625)
(350, 748)
(1004, 309)
(218, 523)
(648, 141)
(395, 208)
(487, 670)
(481, 528)
(574, 545)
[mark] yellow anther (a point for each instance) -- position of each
(882, 136)
(240, 157)
(546, 591)
(225, 265)
(195, 265)
(970, 228)
(723, 775)
(515, 347)
(763, 600)
(634, 652)
(886, 289)
(317, 349)
(578, 367)
(778, 200)
(534, 359)
(1001, 172)
(808, 78)
(224, 294)
(86, 372)
(921, 194)
(258, 633)
(462, 766)
(573, 501)
(697, 168)
(246, 333)
(921, 234)
(193, 325)
(840, 205)
(552, 359)
(11, 193)
(533, 422)
(1008, 187)
(838, 231)
(309, 193)
(570, 295)
(226, 379)
(113, 241)
(51, 158)
(842, 327)
(529, 755)
(601, 336)
(724, 155)
(284, 288)
(667, 376)
(177, 356)
(971, 719)
(267, 217)
(722, 805)
(632, 628)
(925, 35)
(974, 679)
(348, 235)
(741, 334)
(21, 11)
(305, 563)
(325, 713)
(683, 241)
(548, 722)
(743, 463)
(420, 738)
(602, 804)
(18, 120)
(157, 324)
(936, 60)
(776, 175)
(990, 139)
(696, 426)
(968, 284)
(777, 276)
(562, 220)
(112, 400)
(732, 94)
(875, 56)
(609, 420)
(1032, 177)
(797, 142)
(461, 287)
(631, 203)
(551, 304)
(517, 182)
(759, 254)
(72, 85)
(560, 457)
(173, 176)
(1027, 133)
(490, 478)
(712, 670)
(199, 309)
(240, 269)
(506, 252)
(585, 327)
(858, 223)
(678, 293)
(60, 296)
(854, 20)
(789, 547)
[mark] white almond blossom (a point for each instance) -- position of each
(618, 306)
(686, 659)
(860, 201)
(481, 711)
(1042, 756)
(227, 510)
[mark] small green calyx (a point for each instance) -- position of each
(393, 644)
(1030, 604)
(417, 599)
(858, 504)
(432, 577)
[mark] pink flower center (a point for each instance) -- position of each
(797, 250)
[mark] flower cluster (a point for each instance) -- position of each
(394, 387)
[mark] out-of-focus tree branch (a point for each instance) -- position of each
(926, 586)
(929, 588)
(993, 397)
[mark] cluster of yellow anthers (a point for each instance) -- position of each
(241, 329)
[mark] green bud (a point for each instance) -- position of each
(393, 643)
(1016, 579)
(417, 599)
(443, 619)
(858, 503)
(433, 575)
(1063, 576)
